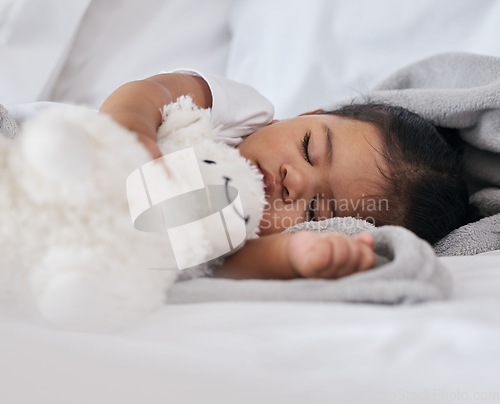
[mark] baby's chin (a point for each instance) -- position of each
(265, 225)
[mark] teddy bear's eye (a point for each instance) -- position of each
(209, 161)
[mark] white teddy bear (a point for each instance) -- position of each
(69, 249)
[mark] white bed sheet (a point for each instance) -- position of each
(273, 352)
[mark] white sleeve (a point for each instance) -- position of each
(238, 110)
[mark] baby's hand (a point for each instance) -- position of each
(330, 255)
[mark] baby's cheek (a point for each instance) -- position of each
(278, 219)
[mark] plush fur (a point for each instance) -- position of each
(70, 254)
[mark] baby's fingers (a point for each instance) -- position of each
(329, 255)
(309, 253)
(349, 255)
(366, 257)
(366, 238)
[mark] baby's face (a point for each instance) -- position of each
(316, 167)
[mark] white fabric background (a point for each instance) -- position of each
(303, 55)
(81, 50)
(33, 49)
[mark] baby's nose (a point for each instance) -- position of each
(294, 183)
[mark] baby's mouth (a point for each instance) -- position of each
(268, 180)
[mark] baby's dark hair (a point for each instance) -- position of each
(426, 192)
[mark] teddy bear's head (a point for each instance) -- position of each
(200, 190)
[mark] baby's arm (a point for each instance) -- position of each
(137, 105)
(304, 254)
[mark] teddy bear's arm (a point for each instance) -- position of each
(137, 105)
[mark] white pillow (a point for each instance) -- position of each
(303, 55)
(120, 41)
(35, 36)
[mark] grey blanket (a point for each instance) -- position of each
(8, 126)
(407, 271)
(460, 91)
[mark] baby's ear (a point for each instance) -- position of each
(315, 112)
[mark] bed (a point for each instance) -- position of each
(301, 56)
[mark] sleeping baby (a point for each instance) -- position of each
(372, 161)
